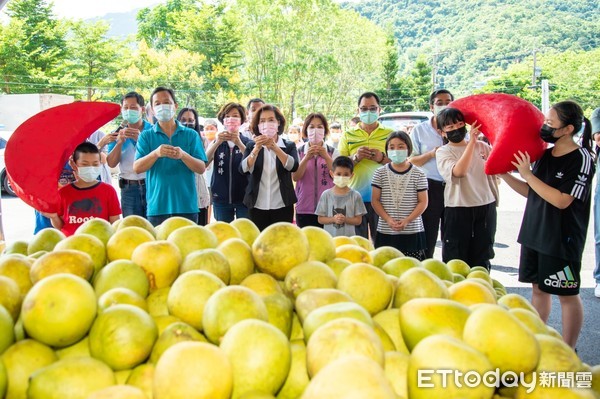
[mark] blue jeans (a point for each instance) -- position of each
(158, 219)
(133, 200)
(228, 212)
(597, 230)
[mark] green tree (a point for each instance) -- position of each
(155, 25)
(14, 64)
(420, 81)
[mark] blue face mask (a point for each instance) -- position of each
(369, 117)
(397, 156)
(131, 115)
(164, 112)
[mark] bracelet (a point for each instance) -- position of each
(252, 154)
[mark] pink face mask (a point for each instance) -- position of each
(269, 129)
(315, 134)
(232, 124)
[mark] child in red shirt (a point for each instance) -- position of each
(87, 198)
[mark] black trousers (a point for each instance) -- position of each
(307, 219)
(263, 219)
(433, 215)
(368, 224)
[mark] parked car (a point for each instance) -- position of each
(4, 184)
(404, 120)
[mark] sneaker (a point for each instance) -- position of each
(597, 291)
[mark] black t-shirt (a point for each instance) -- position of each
(552, 231)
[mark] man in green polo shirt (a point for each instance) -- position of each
(365, 144)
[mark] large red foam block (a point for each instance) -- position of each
(40, 147)
(510, 123)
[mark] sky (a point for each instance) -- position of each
(88, 9)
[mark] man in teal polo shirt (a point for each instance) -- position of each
(170, 154)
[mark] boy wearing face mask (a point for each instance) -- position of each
(470, 195)
(312, 177)
(86, 198)
(341, 209)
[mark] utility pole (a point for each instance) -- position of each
(545, 96)
(534, 74)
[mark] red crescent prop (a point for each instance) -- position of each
(40, 147)
(510, 123)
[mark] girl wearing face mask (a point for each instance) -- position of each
(399, 196)
(269, 162)
(312, 176)
(228, 184)
(470, 196)
(555, 223)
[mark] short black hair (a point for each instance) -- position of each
(343, 162)
(368, 94)
(162, 88)
(134, 94)
(85, 148)
(254, 100)
(449, 116)
(402, 135)
(436, 93)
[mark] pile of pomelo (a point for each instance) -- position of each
(182, 311)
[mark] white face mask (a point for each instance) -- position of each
(341, 181)
(89, 174)
(438, 108)
(164, 112)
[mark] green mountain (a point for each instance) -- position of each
(467, 42)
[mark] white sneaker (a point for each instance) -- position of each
(597, 291)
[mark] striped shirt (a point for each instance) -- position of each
(391, 183)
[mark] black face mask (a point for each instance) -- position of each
(457, 135)
(189, 124)
(547, 134)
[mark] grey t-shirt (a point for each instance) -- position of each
(350, 205)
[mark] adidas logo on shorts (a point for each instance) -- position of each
(562, 279)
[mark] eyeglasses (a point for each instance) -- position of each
(371, 109)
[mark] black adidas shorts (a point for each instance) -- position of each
(552, 275)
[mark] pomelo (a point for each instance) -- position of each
(367, 285)
(438, 268)
(320, 243)
(97, 227)
(78, 349)
(16, 247)
(70, 261)
(193, 238)
(338, 265)
(279, 248)
(364, 242)
(135, 221)
(239, 257)
(223, 231)
(162, 322)
(396, 372)
(122, 243)
(7, 329)
(142, 377)
(157, 302)
(17, 268)
(248, 230)
(389, 320)
(513, 301)
(173, 334)
(263, 284)
(209, 260)
(3, 380)
(297, 378)
(121, 295)
(170, 225)
(118, 392)
(45, 240)
(315, 298)
(281, 311)
(86, 243)
(343, 240)
(160, 260)
(418, 282)
(469, 292)
(10, 297)
(397, 266)
(530, 320)
(307, 275)
(459, 266)
(122, 273)
(382, 255)
(325, 314)
(353, 253)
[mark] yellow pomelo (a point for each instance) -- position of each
(281, 311)
(115, 225)
(162, 322)
(157, 302)
(297, 378)
(223, 231)
(596, 379)
(209, 260)
(78, 349)
(160, 260)
(62, 261)
(279, 248)
(19, 330)
(10, 297)
(122, 273)
(338, 265)
(74, 377)
(457, 278)
(260, 357)
(422, 317)
(307, 275)
(142, 377)
(396, 372)
(44, 240)
(248, 230)
(484, 283)
(135, 221)
(21, 360)
(36, 255)
(17, 267)
(173, 334)
(170, 225)
(389, 320)
(353, 253)
(99, 228)
(7, 329)
(193, 238)
(386, 341)
(16, 247)
(326, 313)
(118, 392)
(3, 380)
(513, 301)
(343, 240)
(438, 268)
(364, 242)
(459, 266)
(263, 284)
(189, 294)
(321, 246)
(86, 243)
(122, 376)
(122, 244)
(339, 338)
(229, 306)
(556, 355)
(121, 295)
(490, 327)
(122, 336)
(352, 376)
(239, 256)
(297, 332)
(315, 298)
(480, 274)
(531, 320)
(418, 282)
(442, 352)
(185, 368)
(368, 286)
(382, 255)
(469, 292)
(59, 310)
(397, 266)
